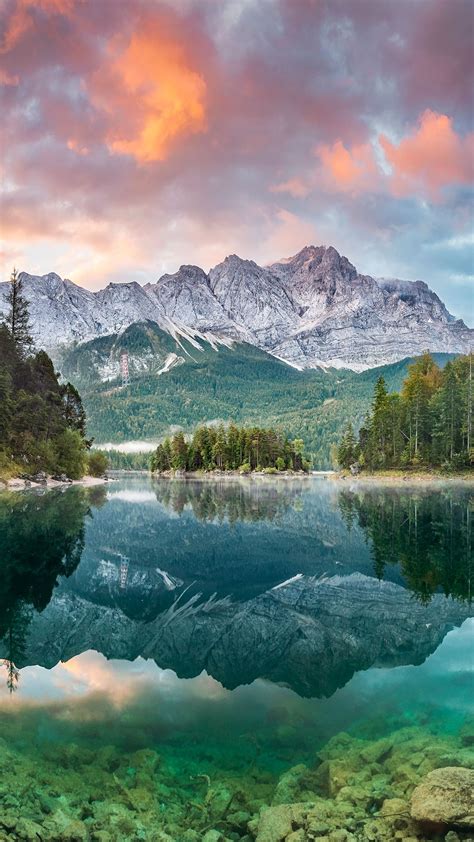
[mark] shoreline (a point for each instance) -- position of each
(401, 478)
(232, 475)
(17, 484)
(404, 478)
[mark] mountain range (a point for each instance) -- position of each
(313, 309)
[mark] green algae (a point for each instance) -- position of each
(358, 786)
(89, 769)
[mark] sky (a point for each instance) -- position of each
(138, 135)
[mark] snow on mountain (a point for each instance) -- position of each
(310, 309)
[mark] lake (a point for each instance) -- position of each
(179, 655)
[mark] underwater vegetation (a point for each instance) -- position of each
(357, 786)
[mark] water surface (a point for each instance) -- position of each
(173, 648)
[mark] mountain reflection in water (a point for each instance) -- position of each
(300, 582)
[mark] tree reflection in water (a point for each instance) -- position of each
(41, 539)
(428, 534)
(229, 500)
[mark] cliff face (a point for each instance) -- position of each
(311, 309)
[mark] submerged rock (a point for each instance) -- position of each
(277, 823)
(445, 798)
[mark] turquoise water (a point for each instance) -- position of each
(179, 656)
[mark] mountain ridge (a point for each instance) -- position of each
(312, 309)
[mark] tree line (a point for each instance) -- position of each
(230, 448)
(428, 423)
(42, 421)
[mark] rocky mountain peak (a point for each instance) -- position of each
(310, 309)
(187, 273)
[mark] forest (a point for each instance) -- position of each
(231, 448)
(241, 384)
(427, 424)
(42, 422)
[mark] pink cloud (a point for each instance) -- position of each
(298, 188)
(431, 157)
(23, 18)
(350, 169)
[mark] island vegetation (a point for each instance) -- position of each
(42, 421)
(232, 448)
(427, 425)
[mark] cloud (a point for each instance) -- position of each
(296, 187)
(351, 170)
(288, 234)
(179, 132)
(150, 94)
(431, 158)
(24, 14)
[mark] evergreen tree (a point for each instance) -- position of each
(379, 426)
(74, 412)
(214, 448)
(33, 422)
(418, 389)
(219, 450)
(429, 423)
(346, 452)
(18, 316)
(179, 452)
(448, 414)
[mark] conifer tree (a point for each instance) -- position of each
(18, 315)
(379, 424)
(346, 453)
(448, 412)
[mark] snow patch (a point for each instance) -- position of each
(171, 361)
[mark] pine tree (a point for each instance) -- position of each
(379, 427)
(346, 452)
(18, 316)
(74, 412)
(179, 452)
(449, 413)
(418, 389)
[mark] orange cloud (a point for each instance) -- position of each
(22, 18)
(76, 147)
(151, 95)
(349, 170)
(432, 157)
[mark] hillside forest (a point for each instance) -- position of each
(428, 423)
(42, 421)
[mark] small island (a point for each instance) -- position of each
(230, 450)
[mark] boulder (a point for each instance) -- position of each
(277, 823)
(41, 477)
(61, 478)
(445, 798)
